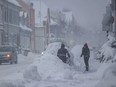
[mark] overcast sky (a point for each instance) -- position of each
(88, 13)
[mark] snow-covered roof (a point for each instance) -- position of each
(14, 2)
(25, 27)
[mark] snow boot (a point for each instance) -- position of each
(87, 68)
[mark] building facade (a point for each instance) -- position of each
(39, 35)
(27, 22)
(1, 20)
(9, 22)
(40, 40)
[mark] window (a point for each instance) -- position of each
(5, 14)
(10, 16)
(17, 18)
(0, 14)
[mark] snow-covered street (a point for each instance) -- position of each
(7, 69)
(48, 70)
(57, 43)
(11, 73)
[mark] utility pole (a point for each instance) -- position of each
(7, 24)
(33, 40)
(48, 25)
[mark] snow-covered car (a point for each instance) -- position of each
(8, 54)
(52, 48)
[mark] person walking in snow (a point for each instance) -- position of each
(86, 54)
(63, 53)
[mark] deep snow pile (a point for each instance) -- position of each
(31, 73)
(76, 51)
(50, 67)
(107, 71)
(107, 52)
(45, 67)
(15, 83)
(108, 77)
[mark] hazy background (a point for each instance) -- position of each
(89, 13)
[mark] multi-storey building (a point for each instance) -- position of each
(27, 23)
(1, 20)
(10, 22)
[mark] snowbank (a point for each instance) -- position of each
(21, 77)
(31, 73)
(101, 69)
(16, 83)
(50, 67)
(109, 77)
(107, 71)
(76, 51)
(107, 52)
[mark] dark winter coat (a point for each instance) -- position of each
(86, 54)
(85, 51)
(63, 53)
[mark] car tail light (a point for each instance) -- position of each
(8, 55)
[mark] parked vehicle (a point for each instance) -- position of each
(8, 54)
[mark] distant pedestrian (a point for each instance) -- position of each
(86, 54)
(63, 53)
